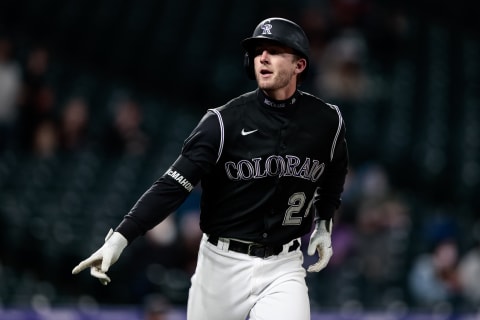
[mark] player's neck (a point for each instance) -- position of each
(269, 102)
(281, 94)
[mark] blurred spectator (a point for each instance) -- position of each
(74, 135)
(434, 280)
(383, 230)
(379, 222)
(164, 259)
(37, 98)
(343, 75)
(374, 182)
(126, 135)
(10, 82)
(45, 139)
(164, 234)
(175, 241)
(156, 307)
(37, 65)
(163, 242)
(190, 236)
(367, 182)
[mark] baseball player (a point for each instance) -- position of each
(271, 163)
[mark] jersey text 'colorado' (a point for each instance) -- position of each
(274, 165)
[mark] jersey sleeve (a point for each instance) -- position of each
(204, 145)
(198, 156)
(328, 194)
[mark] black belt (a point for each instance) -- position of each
(255, 249)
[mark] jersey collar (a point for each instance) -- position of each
(271, 103)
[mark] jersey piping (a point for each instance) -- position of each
(222, 132)
(340, 122)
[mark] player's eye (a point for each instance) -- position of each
(259, 51)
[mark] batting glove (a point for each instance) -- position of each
(102, 259)
(320, 241)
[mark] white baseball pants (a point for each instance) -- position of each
(235, 286)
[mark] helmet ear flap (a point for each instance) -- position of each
(249, 66)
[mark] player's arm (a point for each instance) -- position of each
(326, 202)
(163, 197)
(198, 156)
(328, 195)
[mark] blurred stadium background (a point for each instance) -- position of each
(96, 98)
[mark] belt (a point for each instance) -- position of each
(255, 249)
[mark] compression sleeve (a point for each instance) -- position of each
(198, 156)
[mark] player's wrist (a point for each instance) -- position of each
(129, 229)
(117, 240)
(324, 225)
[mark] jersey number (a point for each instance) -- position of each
(296, 203)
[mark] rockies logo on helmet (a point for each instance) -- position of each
(266, 28)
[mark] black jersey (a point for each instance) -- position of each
(262, 164)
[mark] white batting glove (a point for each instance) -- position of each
(321, 241)
(102, 259)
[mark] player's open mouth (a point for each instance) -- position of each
(265, 72)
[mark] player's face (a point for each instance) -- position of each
(276, 69)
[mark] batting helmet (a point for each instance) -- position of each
(282, 31)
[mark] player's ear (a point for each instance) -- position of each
(301, 65)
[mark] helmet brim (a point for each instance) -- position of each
(249, 44)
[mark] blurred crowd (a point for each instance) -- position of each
(394, 249)
(34, 122)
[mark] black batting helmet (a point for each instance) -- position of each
(282, 31)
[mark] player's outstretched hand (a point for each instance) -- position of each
(102, 259)
(321, 241)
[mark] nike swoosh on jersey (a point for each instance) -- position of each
(245, 133)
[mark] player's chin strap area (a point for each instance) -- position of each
(254, 249)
